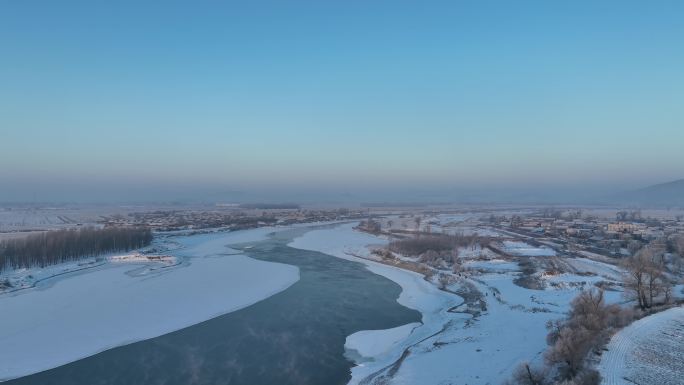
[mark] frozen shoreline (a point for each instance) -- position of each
(83, 314)
(342, 241)
(372, 343)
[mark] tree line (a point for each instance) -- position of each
(58, 246)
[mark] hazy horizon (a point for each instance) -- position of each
(111, 192)
(338, 101)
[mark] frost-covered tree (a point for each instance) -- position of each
(444, 280)
(526, 374)
(58, 246)
(570, 350)
(587, 326)
(584, 377)
(646, 279)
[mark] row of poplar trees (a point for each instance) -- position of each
(58, 246)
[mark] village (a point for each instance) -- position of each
(531, 263)
(584, 232)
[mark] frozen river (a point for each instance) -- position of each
(296, 336)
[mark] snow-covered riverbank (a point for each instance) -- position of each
(13, 281)
(344, 242)
(80, 314)
(450, 346)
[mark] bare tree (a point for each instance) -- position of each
(58, 246)
(633, 246)
(588, 324)
(584, 377)
(636, 267)
(586, 328)
(646, 279)
(417, 219)
(589, 310)
(525, 374)
(457, 263)
(570, 349)
(621, 215)
(444, 280)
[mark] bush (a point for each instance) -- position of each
(584, 377)
(526, 374)
(439, 243)
(587, 327)
(445, 280)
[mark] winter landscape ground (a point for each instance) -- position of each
(483, 312)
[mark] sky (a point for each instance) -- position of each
(221, 100)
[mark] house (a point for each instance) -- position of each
(622, 227)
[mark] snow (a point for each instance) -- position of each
(450, 347)
(476, 252)
(81, 314)
(526, 250)
(372, 343)
(486, 351)
(572, 278)
(26, 278)
(498, 265)
(446, 347)
(449, 218)
(649, 351)
(678, 291)
(602, 269)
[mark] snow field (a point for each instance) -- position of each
(525, 250)
(650, 351)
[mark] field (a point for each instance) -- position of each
(647, 352)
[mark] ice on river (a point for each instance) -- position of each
(83, 314)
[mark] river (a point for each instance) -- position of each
(294, 337)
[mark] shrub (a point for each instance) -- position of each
(587, 327)
(439, 243)
(526, 374)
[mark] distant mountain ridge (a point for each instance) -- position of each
(663, 194)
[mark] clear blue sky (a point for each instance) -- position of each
(128, 99)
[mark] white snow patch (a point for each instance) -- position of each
(476, 252)
(605, 270)
(498, 265)
(527, 250)
(372, 343)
